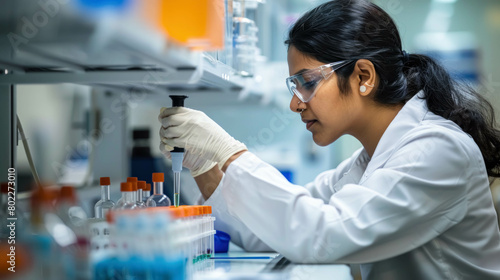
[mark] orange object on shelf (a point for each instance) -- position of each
(197, 24)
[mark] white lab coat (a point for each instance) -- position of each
(420, 208)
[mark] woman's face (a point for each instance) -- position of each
(328, 115)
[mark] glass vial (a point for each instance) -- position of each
(141, 185)
(158, 199)
(105, 204)
(146, 193)
(128, 200)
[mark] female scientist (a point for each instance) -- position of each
(414, 202)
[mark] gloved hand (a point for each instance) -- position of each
(197, 133)
(196, 165)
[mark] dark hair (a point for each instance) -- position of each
(357, 29)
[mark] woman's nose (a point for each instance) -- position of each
(294, 104)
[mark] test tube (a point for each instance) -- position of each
(105, 203)
(177, 188)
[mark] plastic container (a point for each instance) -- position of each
(198, 24)
(244, 46)
(221, 241)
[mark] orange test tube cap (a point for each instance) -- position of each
(126, 187)
(134, 186)
(158, 177)
(131, 179)
(105, 181)
(188, 211)
(141, 185)
(176, 213)
(148, 187)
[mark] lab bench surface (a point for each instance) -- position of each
(238, 264)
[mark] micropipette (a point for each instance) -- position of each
(177, 154)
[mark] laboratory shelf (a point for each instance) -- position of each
(112, 50)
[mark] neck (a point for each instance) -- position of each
(128, 197)
(371, 128)
(139, 195)
(104, 193)
(158, 188)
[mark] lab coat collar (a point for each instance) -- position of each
(409, 117)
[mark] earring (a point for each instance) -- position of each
(363, 88)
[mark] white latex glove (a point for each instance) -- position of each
(197, 133)
(196, 165)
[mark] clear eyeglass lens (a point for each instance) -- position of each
(304, 87)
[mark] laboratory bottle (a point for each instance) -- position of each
(129, 180)
(146, 192)
(141, 185)
(158, 199)
(133, 180)
(105, 203)
(128, 200)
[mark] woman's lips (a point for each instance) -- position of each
(310, 123)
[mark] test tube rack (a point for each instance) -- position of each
(165, 242)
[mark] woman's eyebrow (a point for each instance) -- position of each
(300, 71)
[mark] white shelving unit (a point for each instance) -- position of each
(112, 54)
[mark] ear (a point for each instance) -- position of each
(364, 78)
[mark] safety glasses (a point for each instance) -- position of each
(305, 84)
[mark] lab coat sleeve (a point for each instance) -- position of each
(240, 234)
(404, 204)
(324, 185)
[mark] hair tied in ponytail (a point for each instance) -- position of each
(406, 57)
